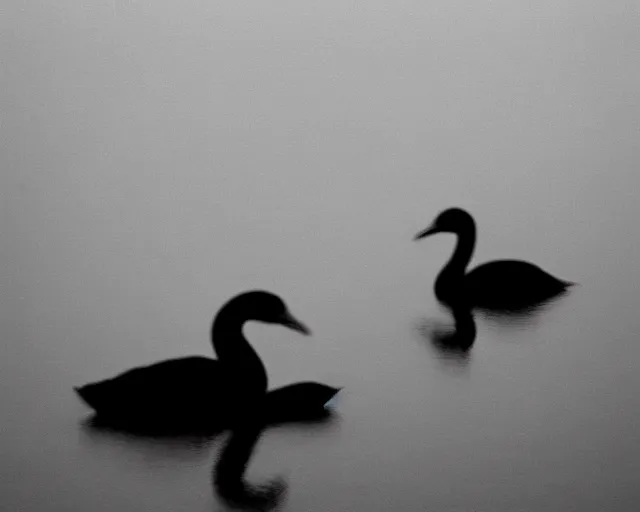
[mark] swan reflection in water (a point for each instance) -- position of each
(228, 471)
(459, 339)
(228, 474)
(452, 343)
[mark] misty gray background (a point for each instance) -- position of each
(159, 157)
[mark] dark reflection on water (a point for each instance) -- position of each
(180, 450)
(453, 343)
(228, 472)
(97, 426)
(526, 317)
(462, 337)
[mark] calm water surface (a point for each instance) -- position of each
(159, 157)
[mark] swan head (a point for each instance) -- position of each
(266, 307)
(452, 220)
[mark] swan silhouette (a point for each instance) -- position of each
(198, 391)
(501, 285)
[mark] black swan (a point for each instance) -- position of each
(501, 285)
(203, 392)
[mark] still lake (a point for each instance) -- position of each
(160, 157)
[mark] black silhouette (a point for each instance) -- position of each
(203, 394)
(294, 403)
(502, 286)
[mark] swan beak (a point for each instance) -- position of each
(426, 232)
(288, 320)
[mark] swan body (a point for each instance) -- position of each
(199, 390)
(497, 285)
(520, 285)
(166, 390)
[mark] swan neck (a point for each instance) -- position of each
(463, 251)
(232, 348)
(449, 285)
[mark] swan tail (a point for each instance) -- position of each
(88, 395)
